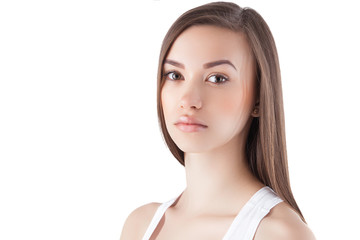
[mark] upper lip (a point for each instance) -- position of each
(189, 120)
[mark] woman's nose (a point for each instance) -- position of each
(191, 97)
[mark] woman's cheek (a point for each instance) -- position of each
(234, 112)
(231, 103)
(166, 101)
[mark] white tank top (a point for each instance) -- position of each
(245, 223)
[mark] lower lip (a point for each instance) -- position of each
(191, 127)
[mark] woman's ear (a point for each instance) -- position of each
(256, 111)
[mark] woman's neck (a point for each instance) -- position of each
(217, 180)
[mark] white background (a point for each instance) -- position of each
(80, 146)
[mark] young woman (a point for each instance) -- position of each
(220, 109)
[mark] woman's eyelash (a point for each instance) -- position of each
(218, 77)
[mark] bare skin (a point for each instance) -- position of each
(219, 181)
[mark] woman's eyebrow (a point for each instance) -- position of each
(174, 63)
(219, 62)
(206, 65)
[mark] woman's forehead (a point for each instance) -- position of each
(201, 44)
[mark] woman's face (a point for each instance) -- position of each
(209, 75)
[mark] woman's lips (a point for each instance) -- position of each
(190, 127)
(188, 123)
(185, 119)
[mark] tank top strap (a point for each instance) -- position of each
(246, 222)
(157, 217)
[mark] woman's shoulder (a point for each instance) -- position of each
(138, 221)
(283, 222)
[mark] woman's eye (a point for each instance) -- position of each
(218, 79)
(173, 75)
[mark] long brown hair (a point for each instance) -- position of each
(266, 144)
